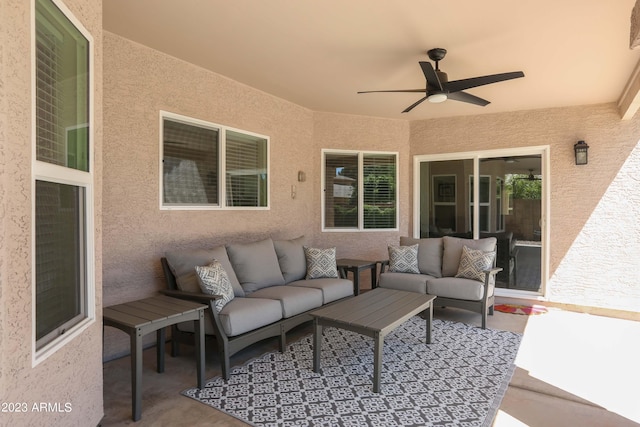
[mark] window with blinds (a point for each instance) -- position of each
(360, 191)
(63, 180)
(210, 166)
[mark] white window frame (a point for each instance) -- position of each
(360, 154)
(43, 171)
(222, 189)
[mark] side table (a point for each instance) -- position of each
(138, 318)
(355, 266)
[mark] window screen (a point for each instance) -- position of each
(205, 166)
(189, 164)
(360, 190)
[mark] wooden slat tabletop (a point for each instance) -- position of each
(378, 310)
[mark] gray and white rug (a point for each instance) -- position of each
(458, 380)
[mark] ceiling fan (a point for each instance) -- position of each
(439, 88)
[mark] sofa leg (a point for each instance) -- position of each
(225, 364)
(175, 341)
(283, 340)
(491, 311)
(484, 320)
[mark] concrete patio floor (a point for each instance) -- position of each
(573, 369)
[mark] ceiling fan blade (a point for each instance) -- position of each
(467, 97)
(458, 85)
(398, 90)
(431, 75)
(414, 105)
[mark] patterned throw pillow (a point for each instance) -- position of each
(321, 263)
(214, 281)
(473, 263)
(404, 259)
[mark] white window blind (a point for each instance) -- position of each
(205, 166)
(359, 190)
(189, 164)
(379, 190)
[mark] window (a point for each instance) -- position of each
(206, 166)
(63, 178)
(360, 191)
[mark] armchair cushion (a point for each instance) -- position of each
(453, 251)
(256, 264)
(457, 288)
(429, 254)
(214, 281)
(473, 263)
(403, 259)
(321, 262)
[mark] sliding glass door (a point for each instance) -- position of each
(476, 195)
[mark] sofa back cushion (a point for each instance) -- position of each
(429, 254)
(182, 264)
(255, 264)
(291, 258)
(453, 251)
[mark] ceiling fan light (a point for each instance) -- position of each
(437, 98)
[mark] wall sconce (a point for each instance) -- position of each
(302, 177)
(581, 148)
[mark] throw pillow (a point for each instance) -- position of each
(320, 262)
(473, 263)
(404, 259)
(214, 281)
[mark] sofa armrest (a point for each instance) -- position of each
(190, 296)
(384, 265)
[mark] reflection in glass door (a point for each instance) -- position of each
(509, 208)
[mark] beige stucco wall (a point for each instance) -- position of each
(74, 373)
(598, 274)
(138, 83)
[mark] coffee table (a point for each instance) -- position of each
(374, 314)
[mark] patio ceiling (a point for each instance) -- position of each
(318, 54)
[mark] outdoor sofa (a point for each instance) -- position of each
(254, 290)
(459, 272)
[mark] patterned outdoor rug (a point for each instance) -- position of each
(459, 380)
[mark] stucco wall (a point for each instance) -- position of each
(139, 82)
(598, 273)
(347, 132)
(74, 373)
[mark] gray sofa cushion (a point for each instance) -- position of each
(246, 314)
(293, 263)
(453, 251)
(429, 254)
(332, 289)
(255, 264)
(294, 299)
(182, 264)
(457, 288)
(405, 282)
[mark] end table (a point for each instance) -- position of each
(138, 318)
(355, 266)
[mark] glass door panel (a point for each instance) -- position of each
(514, 212)
(444, 192)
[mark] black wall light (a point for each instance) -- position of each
(581, 149)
